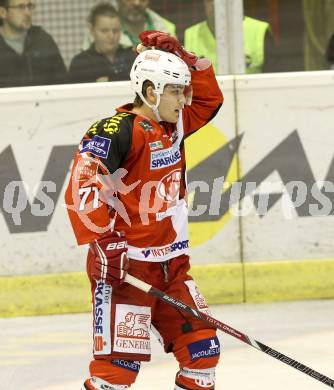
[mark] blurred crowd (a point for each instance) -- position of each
(278, 36)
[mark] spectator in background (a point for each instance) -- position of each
(330, 52)
(135, 18)
(105, 60)
(258, 41)
(319, 22)
(181, 15)
(28, 54)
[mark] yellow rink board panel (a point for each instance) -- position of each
(219, 283)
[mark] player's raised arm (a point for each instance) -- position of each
(203, 97)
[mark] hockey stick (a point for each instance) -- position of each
(229, 330)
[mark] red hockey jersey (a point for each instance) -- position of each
(129, 175)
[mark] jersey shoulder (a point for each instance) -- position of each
(109, 140)
(114, 126)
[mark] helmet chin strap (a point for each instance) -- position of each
(153, 107)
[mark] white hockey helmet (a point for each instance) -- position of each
(161, 68)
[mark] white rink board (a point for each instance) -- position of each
(35, 120)
(296, 111)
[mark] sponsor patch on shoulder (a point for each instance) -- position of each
(204, 348)
(98, 146)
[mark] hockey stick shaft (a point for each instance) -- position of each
(229, 330)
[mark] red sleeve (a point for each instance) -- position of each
(89, 215)
(207, 100)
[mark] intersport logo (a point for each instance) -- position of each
(159, 252)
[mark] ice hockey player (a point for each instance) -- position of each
(127, 199)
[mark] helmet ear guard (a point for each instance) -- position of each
(188, 93)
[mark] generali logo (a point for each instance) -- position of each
(132, 329)
(134, 326)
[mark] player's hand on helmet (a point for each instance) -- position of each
(163, 41)
(110, 258)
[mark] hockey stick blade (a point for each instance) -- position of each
(229, 330)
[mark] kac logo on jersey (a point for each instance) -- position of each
(98, 146)
(165, 158)
(169, 186)
(204, 348)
